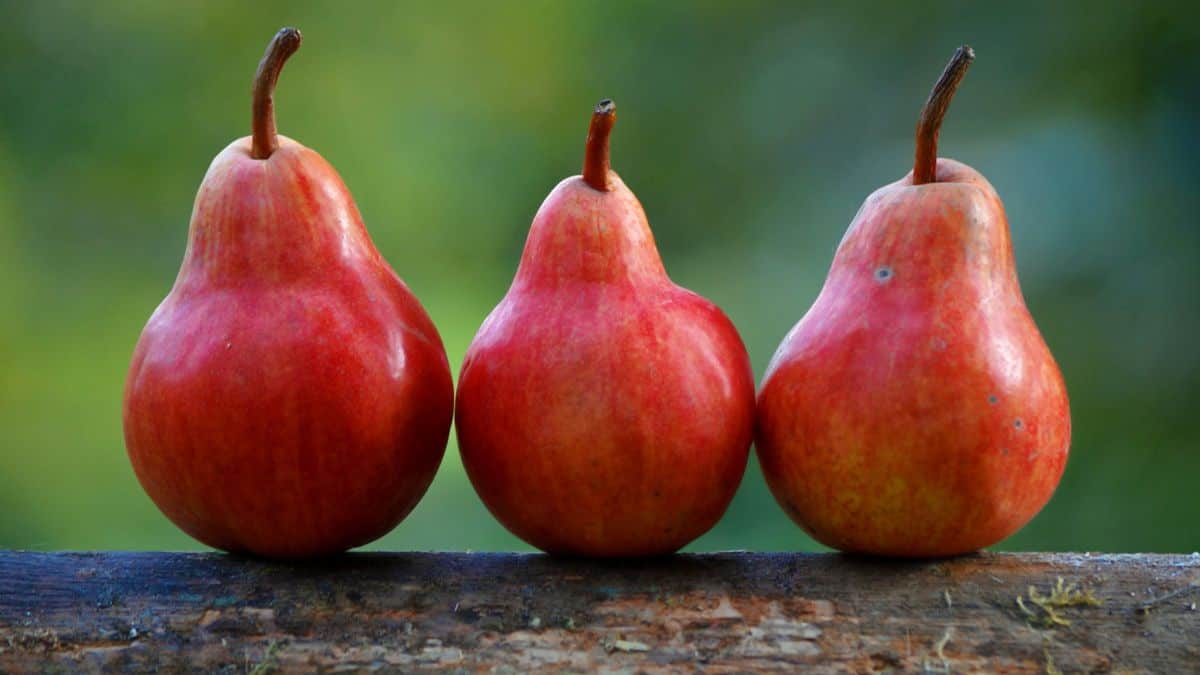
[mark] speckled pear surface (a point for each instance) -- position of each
(915, 410)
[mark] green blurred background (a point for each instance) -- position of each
(750, 131)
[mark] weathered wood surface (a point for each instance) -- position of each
(518, 613)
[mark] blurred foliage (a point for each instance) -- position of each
(751, 131)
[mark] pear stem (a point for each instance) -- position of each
(595, 157)
(925, 166)
(265, 137)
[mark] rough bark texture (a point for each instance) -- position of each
(727, 612)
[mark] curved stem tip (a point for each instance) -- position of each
(925, 166)
(595, 157)
(265, 137)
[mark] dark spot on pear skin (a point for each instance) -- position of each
(1018, 423)
(1005, 451)
(992, 400)
(883, 274)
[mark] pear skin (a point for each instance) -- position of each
(602, 410)
(290, 397)
(916, 410)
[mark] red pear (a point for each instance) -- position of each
(915, 410)
(603, 410)
(290, 397)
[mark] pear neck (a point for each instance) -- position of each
(962, 244)
(581, 235)
(286, 221)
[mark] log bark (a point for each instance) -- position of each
(728, 612)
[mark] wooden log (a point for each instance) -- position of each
(1019, 613)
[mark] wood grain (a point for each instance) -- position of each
(728, 612)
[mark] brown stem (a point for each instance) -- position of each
(266, 138)
(595, 157)
(925, 166)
